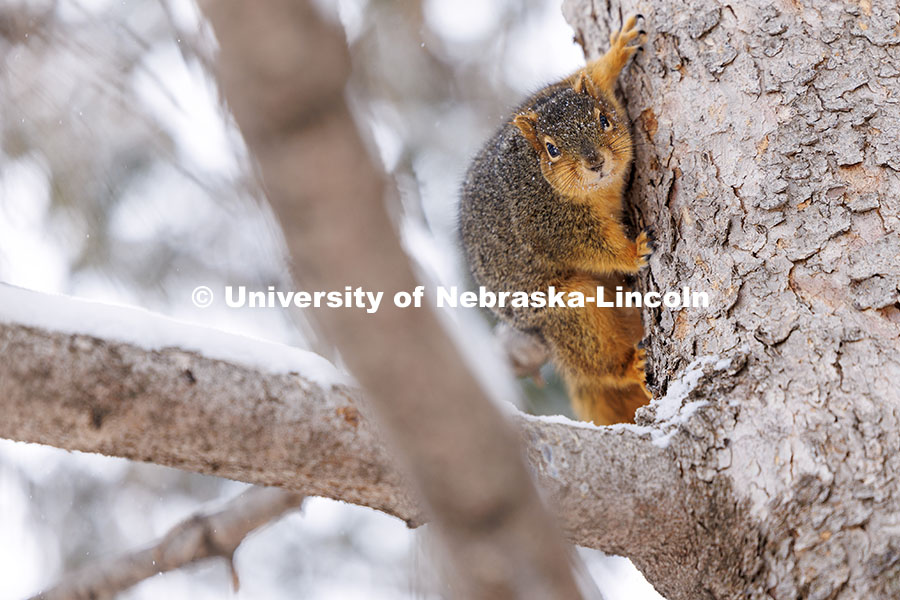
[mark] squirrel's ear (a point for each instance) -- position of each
(583, 84)
(527, 124)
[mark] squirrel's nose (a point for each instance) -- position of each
(593, 160)
(596, 164)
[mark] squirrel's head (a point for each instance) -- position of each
(581, 142)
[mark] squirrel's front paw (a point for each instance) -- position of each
(643, 249)
(618, 40)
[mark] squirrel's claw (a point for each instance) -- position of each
(651, 239)
(618, 40)
(643, 249)
(637, 370)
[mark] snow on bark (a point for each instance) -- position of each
(151, 331)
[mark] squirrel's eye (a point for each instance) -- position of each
(552, 150)
(604, 122)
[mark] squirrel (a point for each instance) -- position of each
(541, 206)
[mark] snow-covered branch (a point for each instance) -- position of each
(147, 391)
(157, 398)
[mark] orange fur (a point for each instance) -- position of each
(605, 70)
(603, 369)
(594, 350)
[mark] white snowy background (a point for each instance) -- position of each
(122, 181)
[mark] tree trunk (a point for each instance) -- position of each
(767, 166)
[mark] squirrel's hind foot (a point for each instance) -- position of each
(644, 248)
(637, 370)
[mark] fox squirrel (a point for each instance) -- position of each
(541, 206)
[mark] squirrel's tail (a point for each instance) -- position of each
(595, 350)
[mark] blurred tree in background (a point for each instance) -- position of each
(122, 179)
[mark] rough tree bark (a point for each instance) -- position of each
(768, 165)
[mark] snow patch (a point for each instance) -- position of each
(669, 405)
(670, 413)
(559, 420)
(151, 331)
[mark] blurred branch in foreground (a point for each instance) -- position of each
(283, 71)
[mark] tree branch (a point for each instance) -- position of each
(199, 537)
(612, 489)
